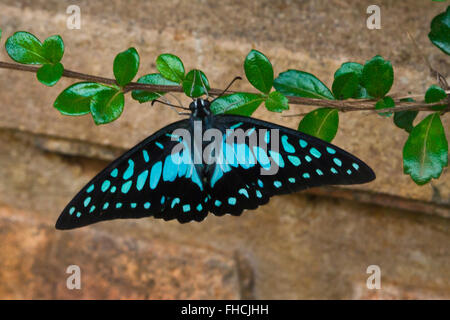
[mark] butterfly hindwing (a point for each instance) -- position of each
(143, 182)
(303, 161)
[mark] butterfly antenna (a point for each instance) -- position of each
(180, 104)
(226, 89)
(170, 105)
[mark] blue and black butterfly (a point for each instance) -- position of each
(147, 181)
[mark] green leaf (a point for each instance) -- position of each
(153, 78)
(259, 71)
(361, 93)
(404, 119)
(440, 31)
(301, 84)
(195, 83)
(76, 99)
(53, 49)
(171, 67)
(345, 85)
(107, 105)
(23, 47)
(435, 94)
(425, 153)
(49, 74)
(237, 103)
(357, 68)
(350, 67)
(277, 102)
(0, 33)
(385, 103)
(377, 77)
(126, 65)
(322, 123)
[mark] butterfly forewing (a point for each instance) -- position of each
(145, 181)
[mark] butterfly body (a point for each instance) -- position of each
(152, 179)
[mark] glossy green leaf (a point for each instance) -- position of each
(259, 71)
(353, 67)
(23, 47)
(436, 94)
(377, 77)
(301, 84)
(53, 49)
(237, 103)
(76, 99)
(107, 105)
(347, 67)
(345, 85)
(49, 74)
(195, 83)
(440, 31)
(322, 123)
(126, 66)
(153, 78)
(171, 67)
(277, 102)
(361, 93)
(385, 103)
(425, 153)
(404, 119)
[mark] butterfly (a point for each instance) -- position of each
(151, 180)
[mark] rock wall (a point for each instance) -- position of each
(311, 245)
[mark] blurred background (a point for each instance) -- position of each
(316, 244)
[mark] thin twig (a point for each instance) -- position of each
(347, 105)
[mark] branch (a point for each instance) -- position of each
(341, 105)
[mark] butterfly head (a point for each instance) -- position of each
(200, 107)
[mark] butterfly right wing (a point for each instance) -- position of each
(245, 181)
(145, 181)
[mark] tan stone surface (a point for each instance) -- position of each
(297, 246)
(34, 259)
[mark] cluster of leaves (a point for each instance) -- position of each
(425, 153)
(25, 48)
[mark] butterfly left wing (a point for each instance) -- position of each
(145, 181)
(252, 174)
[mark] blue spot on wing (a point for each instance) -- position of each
(289, 148)
(130, 170)
(105, 185)
(141, 180)
(170, 169)
(126, 186)
(155, 174)
(114, 173)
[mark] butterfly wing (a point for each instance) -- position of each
(246, 180)
(145, 181)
